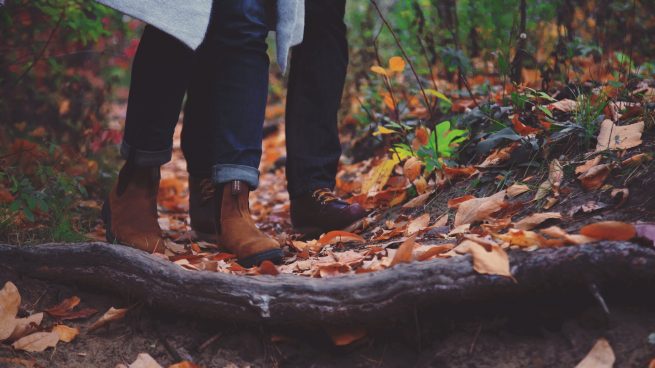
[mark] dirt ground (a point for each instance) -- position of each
(551, 331)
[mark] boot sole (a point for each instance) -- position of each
(273, 255)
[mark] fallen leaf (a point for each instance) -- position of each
(66, 334)
(612, 136)
(268, 268)
(184, 364)
(536, 219)
(338, 236)
(609, 230)
(9, 303)
(600, 356)
(36, 342)
(412, 168)
(637, 159)
(379, 175)
(111, 315)
(555, 175)
(594, 178)
(516, 189)
(565, 105)
(418, 200)
(418, 224)
(83, 313)
(144, 360)
(25, 326)
(479, 209)
(332, 269)
(499, 155)
(63, 308)
(455, 202)
(493, 262)
(434, 251)
(456, 172)
(405, 253)
(342, 336)
(521, 128)
(588, 165)
(441, 221)
(620, 195)
(587, 207)
(523, 238)
(558, 233)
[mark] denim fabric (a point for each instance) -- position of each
(226, 173)
(146, 158)
(226, 102)
(316, 80)
(232, 66)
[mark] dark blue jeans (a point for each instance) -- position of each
(231, 66)
(316, 81)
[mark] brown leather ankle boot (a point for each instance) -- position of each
(130, 212)
(201, 208)
(236, 229)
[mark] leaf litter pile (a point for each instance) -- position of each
(532, 184)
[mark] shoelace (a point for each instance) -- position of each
(325, 196)
(206, 190)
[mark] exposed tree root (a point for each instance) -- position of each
(295, 299)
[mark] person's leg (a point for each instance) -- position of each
(159, 80)
(316, 81)
(228, 100)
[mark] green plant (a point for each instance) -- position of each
(442, 144)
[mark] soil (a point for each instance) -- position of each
(552, 331)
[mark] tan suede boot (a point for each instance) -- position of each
(236, 229)
(130, 212)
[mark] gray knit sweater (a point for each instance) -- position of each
(188, 20)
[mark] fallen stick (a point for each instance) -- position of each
(295, 299)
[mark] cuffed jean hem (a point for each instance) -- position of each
(223, 173)
(146, 158)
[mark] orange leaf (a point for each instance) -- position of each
(412, 168)
(338, 236)
(268, 268)
(62, 309)
(594, 178)
(455, 202)
(609, 230)
(184, 364)
(405, 253)
(435, 251)
(521, 128)
(396, 64)
(342, 336)
(454, 172)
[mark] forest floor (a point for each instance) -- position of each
(532, 190)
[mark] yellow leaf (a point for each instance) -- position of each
(396, 64)
(439, 95)
(379, 70)
(382, 130)
(66, 334)
(379, 175)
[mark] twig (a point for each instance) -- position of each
(40, 54)
(209, 341)
(475, 339)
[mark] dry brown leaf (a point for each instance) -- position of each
(516, 189)
(479, 209)
(111, 315)
(405, 253)
(588, 165)
(36, 342)
(456, 172)
(420, 184)
(523, 238)
(434, 251)
(536, 219)
(493, 262)
(25, 326)
(558, 233)
(455, 202)
(637, 159)
(594, 178)
(555, 175)
(332, 269)
(9, 303)
(185, 364)
(609, 230)
(418, 201)
(412, 168)
(338, 236)
(612, 136)
(441, 221)
(418, 224)
(63, 308)
(600, 356)
(66, 334)
(268, 268)
(342, 336)
(144, 360)
(565, 105)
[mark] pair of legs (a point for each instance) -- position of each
(226, 81)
